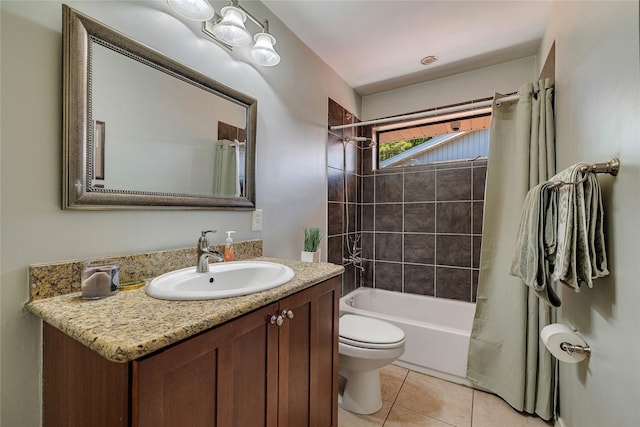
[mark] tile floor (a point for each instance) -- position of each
(411, 399)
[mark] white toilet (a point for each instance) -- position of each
(365, 346)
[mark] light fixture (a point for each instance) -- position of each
(196, 10)
(428, 60)
(263, 52)
(229, 29)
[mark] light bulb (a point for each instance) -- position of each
(196, 10)
(231, 29)
(263, 52)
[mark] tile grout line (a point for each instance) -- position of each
(395, 398)
(473, 402)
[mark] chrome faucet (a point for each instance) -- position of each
(204, 252)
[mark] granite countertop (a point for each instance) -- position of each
(130, 324)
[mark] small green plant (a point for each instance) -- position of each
(312, 238)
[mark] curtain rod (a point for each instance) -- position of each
(469, 106)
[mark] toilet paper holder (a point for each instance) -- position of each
(572, 348)
(565, 343)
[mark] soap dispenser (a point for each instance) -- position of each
(228, 247)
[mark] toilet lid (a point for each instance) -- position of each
(368, 332)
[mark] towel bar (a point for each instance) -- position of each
(612, 167)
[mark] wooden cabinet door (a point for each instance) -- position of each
(308, 358)
(223, 377)
(81, 388)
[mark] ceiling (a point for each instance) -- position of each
(377, 45)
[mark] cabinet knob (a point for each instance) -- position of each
(276, 320)
(287, 313)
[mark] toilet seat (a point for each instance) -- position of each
(367, 332)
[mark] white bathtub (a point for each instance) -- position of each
(437, 329)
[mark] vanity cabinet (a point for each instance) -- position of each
(265, 368)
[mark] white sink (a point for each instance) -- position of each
(224, 280)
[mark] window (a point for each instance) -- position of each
(456, 136)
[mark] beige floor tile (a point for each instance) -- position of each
(442, 400)
(349, 419)
(402, 417)
(490, 411)
(391, 379)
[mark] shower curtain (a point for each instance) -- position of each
(225, 172)
(505, 355)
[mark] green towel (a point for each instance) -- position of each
(537, 242)
(561, 237)
(581, 255)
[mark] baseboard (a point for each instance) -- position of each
(559, 423)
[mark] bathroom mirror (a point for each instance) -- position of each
(141, 130)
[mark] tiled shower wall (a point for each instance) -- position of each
(340, 158)
(422, 228)
(419, 227)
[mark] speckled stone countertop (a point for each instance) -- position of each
(130, 324)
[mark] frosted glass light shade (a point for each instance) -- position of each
(196, 10)
(231, 29)
(263, 52)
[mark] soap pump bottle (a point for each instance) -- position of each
(228, 247)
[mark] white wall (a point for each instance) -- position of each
(597, 98)
(290, 179)
(482, 83)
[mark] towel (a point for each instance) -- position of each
(561, 235)
(537, 242)
(581, 255)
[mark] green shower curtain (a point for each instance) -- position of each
(506, 356)
(225, 172)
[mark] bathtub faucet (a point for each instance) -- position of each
(354, 260)
(204, 252)
(354, 255)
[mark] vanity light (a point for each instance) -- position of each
(229, 30)
(263, 52)
(196, 10)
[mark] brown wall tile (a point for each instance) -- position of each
(419, 279)
(453, 217)
(388, 217)
(419, 186)
(419, 248)
(334, 249)
(453, 184)
(335, 218)
(453, 283)
(388, 247)
(388, 276)
(389, 188)
(453, 250)
(367, 245)
(475, 260)
(479, 179)
(335, 185)
(420, 217)
(368, 189)
(478, 212)
(368, 215)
